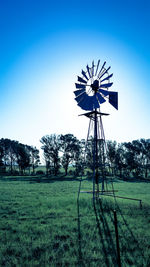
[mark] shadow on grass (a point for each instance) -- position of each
(105, 234)
(106, 238)
(39, 179)
(128, 241)
(80, 257)
(131, 252)
(130, 249)
(116, 179)
(62, 178)
(136, 180)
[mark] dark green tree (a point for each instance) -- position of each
(8, 152)
(79, 160)
(119, 160)
(1, 153)
(145, 150)
(89, 153)
(2, 167)
(51, 147)
(133, 158)
(70, 147)
(23, 158)
(111, 154)
(34, 157)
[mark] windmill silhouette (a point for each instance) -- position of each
(92, 90)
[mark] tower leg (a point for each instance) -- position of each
(102, 151)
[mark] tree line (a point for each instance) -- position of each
(62, 151)
(16, 157)
(127, 159)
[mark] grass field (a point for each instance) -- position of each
(43, 224)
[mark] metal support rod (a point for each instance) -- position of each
(94, 162)
(95, 154)
(117, 239)
(102, 152)
(96, 149)
(136, 199)
(140, 204)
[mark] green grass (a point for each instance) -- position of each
(42, 224)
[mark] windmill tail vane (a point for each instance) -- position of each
(92, 88)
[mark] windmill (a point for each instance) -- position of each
(92, 90)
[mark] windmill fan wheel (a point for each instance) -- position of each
(92, 88)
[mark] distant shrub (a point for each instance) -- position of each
(107, 173)
(89, 174)
(2, 170)
(71, 172)
(39, 172)
(79, 172)
(15, 172)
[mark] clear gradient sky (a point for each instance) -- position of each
(45, 44)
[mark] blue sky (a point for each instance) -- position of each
(45, 44)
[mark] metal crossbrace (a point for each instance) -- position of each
(99, 150)
(97, 137)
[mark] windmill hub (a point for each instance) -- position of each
(95, 85)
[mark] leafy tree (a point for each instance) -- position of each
(79, 160)
(5, 144)
(111, 154)
(89, 153)
(13, 153)
(34, 157)
(2, 167)
(132, 157)
(145, 144)
(8, 152)
(1, 154)
(23, 157)
(51, 146)
(70, 147)
(120, 159)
